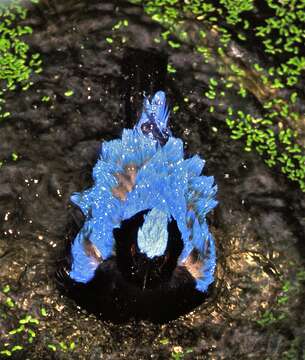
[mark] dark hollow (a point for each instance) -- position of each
(116, 292)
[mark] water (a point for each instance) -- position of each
(258, 225)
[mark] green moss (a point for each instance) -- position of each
(17, 63)
(234, 9)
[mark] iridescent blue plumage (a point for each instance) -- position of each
(146, 170)
(154, 119)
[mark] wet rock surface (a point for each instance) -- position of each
(256, 309)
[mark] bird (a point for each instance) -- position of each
(144, 250)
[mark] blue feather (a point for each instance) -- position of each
(146, 169)
(153, 236)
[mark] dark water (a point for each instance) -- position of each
(258, 225)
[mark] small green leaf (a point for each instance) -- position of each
(213, 82)
(63, 346)
(211, 94)
(171, 69)
(283, 300)
(45, 98)
(31, 333)
(6, 288)
(258, 68)
(173, 44)
(43, 312)
(52, 347)
(164, 341)
(117, 26)
(6, 114)
(293, 97)
(286, 287)
(109, 40)
(69, 93)
(25, 320)
(34, 321)
(242, 37)
(17, 348)
(9, 302)
(6, 353)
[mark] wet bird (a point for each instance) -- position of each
(145, 250)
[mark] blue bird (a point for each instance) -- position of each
(145, 241)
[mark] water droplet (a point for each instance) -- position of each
(186, 132)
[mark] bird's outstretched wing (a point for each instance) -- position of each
(146, 169)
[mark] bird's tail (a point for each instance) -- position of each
(154, 118)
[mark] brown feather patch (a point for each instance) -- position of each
(126, 181)
(193, 263)
(92, 251)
